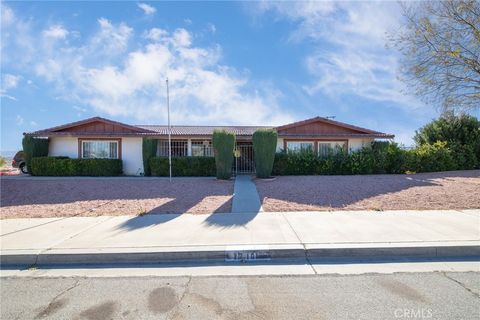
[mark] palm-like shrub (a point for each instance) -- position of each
(223, 145)
(264, 146)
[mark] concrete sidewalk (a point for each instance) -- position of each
(245, 196)
(233, 237)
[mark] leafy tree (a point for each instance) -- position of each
(461, 133)
(440, 46)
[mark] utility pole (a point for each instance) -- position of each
(169, 136)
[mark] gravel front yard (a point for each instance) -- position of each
(444, 190)
(36, 198)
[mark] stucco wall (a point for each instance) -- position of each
(279, 144)
(63, 146)
(132, 156)
(131, 152)
(357, 144)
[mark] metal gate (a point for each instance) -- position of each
(243, 162)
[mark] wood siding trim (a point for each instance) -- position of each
(119, 140)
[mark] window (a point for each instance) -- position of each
(98, 149)
(327, 147)
(202, 148)
(299, 146)
(179, 148)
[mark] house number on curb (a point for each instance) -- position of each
(235, 256)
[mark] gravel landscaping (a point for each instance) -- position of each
(40, 197)
(443, 190)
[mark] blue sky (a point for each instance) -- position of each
(228, 63)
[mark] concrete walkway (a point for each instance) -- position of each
(245, 196)
(169, 237)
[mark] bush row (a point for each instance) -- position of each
(183, 166)
(381, 157)
(64, 166)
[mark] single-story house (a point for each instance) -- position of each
(102, 138)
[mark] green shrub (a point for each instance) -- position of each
(183, 166)
(2, 161)
(149, 150)
(264, 145)
(223, 145)
(34, 147)
(456, 130)
(430, 158)
(396, 159)
(464, 156)
(63, 166)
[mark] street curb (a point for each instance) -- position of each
(236, 253)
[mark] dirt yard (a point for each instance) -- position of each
(445, 190)
(40, 197)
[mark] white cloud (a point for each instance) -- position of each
(9, 81)
(155, 34)
(211, 27)
(56, 32)
(33, 123)
(349, 55)
(7, 15)
(106, 74)
(19, 120)
(147, 9)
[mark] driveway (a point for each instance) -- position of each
(442, 190)
(53, 197)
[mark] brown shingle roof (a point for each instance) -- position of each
(202, 131)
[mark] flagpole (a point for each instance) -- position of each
(169, 136)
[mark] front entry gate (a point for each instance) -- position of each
(243, 162)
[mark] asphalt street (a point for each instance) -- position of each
(435, 295)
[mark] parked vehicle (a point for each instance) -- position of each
(19, 161)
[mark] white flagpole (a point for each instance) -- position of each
(169, 136)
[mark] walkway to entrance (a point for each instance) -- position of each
(245, 196)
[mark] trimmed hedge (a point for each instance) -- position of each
(183, 166)
(223, 145)
(64, 166)
(149, 150)
(264, 145)
(34, 147)
(380, 157)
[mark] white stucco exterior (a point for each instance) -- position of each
(279, 144)
(132, 156)
(131, 152)
(63, 146)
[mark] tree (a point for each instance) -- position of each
(440, 47)
(461, 133)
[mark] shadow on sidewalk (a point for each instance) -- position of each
(146, 221)
(230, 220)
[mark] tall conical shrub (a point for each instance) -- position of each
(223, 145)
(264, 146)
(149, 150)
(34, 147)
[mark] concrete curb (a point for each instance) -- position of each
(235, 253)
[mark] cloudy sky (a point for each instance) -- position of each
(227, 62)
